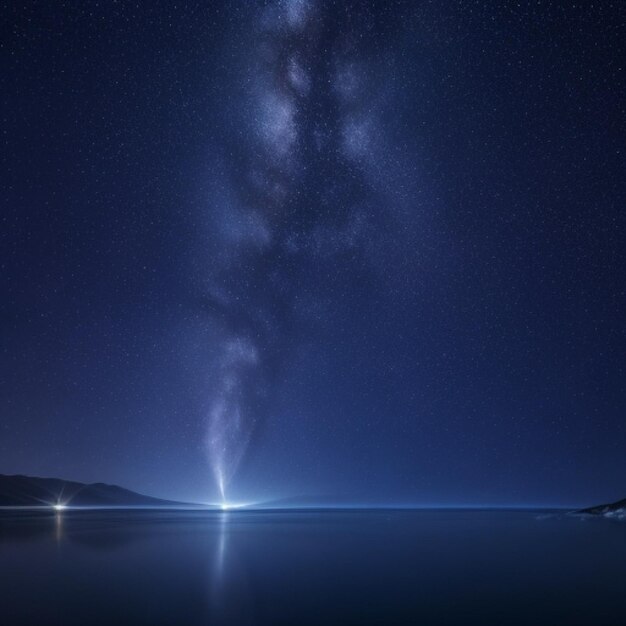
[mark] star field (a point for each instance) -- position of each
(363, 250)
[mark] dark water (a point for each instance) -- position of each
(362, 567)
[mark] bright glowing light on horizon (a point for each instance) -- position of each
(229, 506)
(59, 507)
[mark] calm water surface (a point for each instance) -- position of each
(325, 567)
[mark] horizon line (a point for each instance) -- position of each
(242, 508)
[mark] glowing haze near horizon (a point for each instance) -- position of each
(358, 252)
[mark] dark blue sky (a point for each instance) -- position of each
(363, 251)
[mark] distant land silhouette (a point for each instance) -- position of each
(615, 509)
(33, 491)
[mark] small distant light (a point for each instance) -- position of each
(59, 507)
(225, 506)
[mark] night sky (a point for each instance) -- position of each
(361, 252)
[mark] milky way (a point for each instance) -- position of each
(307, 205)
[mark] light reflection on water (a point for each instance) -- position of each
(362, 567)
(229, 597)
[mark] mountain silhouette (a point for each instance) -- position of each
(33, 491)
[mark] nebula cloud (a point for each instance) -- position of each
(304, 208)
